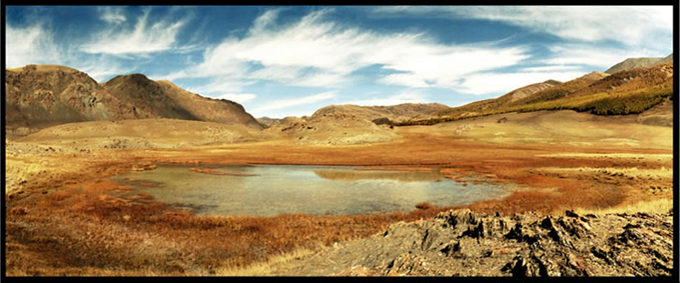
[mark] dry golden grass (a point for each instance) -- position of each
(610, 155)
(264, 268)
(99, 228)
(651, 206)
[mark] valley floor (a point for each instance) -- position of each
(64, 217)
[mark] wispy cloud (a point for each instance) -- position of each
(100, 68)
(237, 97)
(316, 52)
(494, 82)
(112, 15)
(407, 96)
(291, 102)
(146, 37)
(631, 25)
(30, 45)
(594, 55)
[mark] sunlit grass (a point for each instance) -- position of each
(651, 206)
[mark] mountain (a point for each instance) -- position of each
(632, 63)
(548, 90)
(626, 92)
(39, 96)
(163, 99)
(395, 113)
(510, 97)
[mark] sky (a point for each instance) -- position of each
(282, 61)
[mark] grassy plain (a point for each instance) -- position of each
(74, 221)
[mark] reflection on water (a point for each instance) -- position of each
(268, 190)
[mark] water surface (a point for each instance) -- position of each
(269, 190)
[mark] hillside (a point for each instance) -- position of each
(138, 133)
(40, 96)
(395, 113)
(266, 121)
(625, 92)
(163, 99)
(331, 129)
(633, 63)
(473, 108)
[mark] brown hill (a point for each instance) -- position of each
(266, 121)
(163, 99)
(626, 92)
(570, 88)
(479, 106)
(207, 109)
(39, 96)
(633, 63)
(332, 129)
(142, 133)
(396, 113)
(528, 90)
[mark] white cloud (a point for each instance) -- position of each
(444, 66)
(144, 38)
(112, 15)
(264, 21)
(217, 87)
(399, 98)
(316, 52)
(291, 102)
(29, 45)
(631, 25)
(99, 68)
(597, 57)
(237, 97)
(37, 45)
(500, 83)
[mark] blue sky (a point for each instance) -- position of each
(291, 61)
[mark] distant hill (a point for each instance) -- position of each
(395, 113)
(331, 129)
(625, 92)
(632, 63)
(266, 121)
(39, 96)
(484, 105)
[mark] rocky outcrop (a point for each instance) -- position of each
(464, 243)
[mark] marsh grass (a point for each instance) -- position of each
(102, 231)
(650, 206)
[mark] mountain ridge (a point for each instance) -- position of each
(638, 62)
(40, 96)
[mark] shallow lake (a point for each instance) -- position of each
(269, 190)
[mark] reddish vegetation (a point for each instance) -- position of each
(91, 226)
